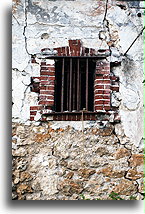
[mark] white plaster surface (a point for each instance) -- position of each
(64, 20)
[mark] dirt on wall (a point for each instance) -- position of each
(68, 164)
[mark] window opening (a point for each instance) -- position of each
(74, 86)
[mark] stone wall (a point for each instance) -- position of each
(60, 162)
(53, 160)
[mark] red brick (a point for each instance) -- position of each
(99, 86)
(33, 60)
(50, 103)
(107, 92)
(63, 51)
(98, 108)
(67, 51)
(49, 73)
(99, 97)
(106, 102)
(99, 92)
(48, 107)
(114, 78)
(45, 82)
(33, 112)
(35, 108)
(43, 63)
(44, 119)
(92, 52)
(35, 78)
(106, 96)
(107, 107)
(43, 49)
(115, 88)
(102, 81)
(106, 76)
(78, 54)
(99, 77)
(58, 51)
(48, 68)
(47, 87)
(31, 118)
(45, 92)
(102, 96)
(51, 77)
(99, 102)
(50, 97)
(107, 86)
(44, 78)
(107, 68)
(100, 71)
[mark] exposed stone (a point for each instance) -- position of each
(69, 187)
(125, 187)
(109, 172)
(136, 160)
(141, 185)
(102, 151)
(21, 152)
(42, 137)
(121, 153)
(25, 176)
(14, 196)
(69, 175)
(24, 188)
(133, 174)
(85, 173)
(87, 168)
(56, 160)
(35, 196)
(107, 131)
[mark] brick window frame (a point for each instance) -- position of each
(104, 83)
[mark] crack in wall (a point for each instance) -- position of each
(134, 41)
(16, 19)
(25, 26)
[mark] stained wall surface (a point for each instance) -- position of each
(114, 158)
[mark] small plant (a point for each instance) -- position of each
(132, 198)
(115, 196)
(83, 197)
(112, 195)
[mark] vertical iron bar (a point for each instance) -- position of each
(62, 86)
(70, 85)
(68, 73)
(78, 84)
(74, 85)
(87, 84)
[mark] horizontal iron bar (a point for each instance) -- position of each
(94, 57)
(76, 112)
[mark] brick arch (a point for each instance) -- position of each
(75, 48)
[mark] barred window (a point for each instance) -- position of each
(74, 84)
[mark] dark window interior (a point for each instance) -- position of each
(74, 85)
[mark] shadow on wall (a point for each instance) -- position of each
(124, 205)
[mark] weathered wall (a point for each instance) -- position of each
(42, 24)
(55, 163)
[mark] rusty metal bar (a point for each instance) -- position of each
(78, 84)
(62, 86)
(70, 86)
(68, 73)
(87, 83)
(74, 87)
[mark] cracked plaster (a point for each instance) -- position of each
(83, 20)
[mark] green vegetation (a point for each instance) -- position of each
(112, 195)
